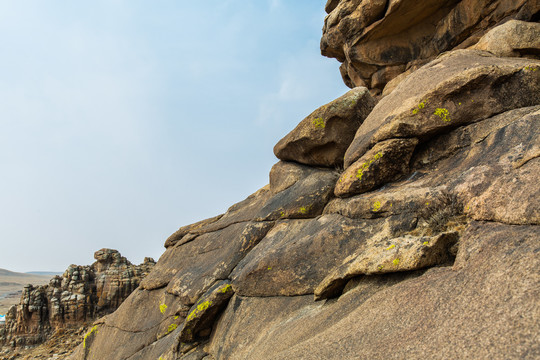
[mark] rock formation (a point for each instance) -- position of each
(78, 297)
(378, 41)
(424, 246)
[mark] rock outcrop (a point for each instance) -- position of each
(78, 297)
(425, 246)
(380, 40)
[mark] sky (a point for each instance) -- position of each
(121, 121)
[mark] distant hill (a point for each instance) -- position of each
(44, 273)
(31, 274)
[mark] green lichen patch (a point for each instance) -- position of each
(304, 209)
(162, 308)
(367, 164)
(443, 113)
(92, 330)
(531, 68)
(319, 123)
(171, 328)
(198, 310)
(226, 288)
(419, 107)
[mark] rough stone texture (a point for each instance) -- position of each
(457, 88)
(448, 312)
(512, 39)
(405, 253)
(305, 198)
(202, 314)
(294, 256)
(181, 233)
(376, 40)
(79, 296)
(190, 269)
(385, 162)
(435, 257)
(322, 138)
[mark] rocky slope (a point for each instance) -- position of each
(78, 297)
(424, 246)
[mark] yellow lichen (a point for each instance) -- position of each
(395, 262)
(380, 267)
(176, 317)
(376, 206)
(319, 123)
(282, 214)
(93, 329)
(303, 210)
(366, 165)
(171, 328)
(162, 308)
(443, 113)
(391, 247)
(426, 242)
(199, 309)
(269, 268)
(419, 107)
(226, 288)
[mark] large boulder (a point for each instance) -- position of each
(377, 40)
(458, 88)
(512, 39)
(322, 138)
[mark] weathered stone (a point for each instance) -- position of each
(244, 211)
(162, 349)
(305, 198)
(202, 314)
(285, 174)
(454, 306)
(322, 138)
(138, 323)
(385, 162)
(181, 233)
(218, 254)
(456, 89)
(331, 5)
(190, 269)
(395, 199)
(297, 254)
(382, 34)
(404, 253)
(513, 38)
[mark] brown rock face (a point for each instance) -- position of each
(424, 247)
(80, 295)
(322, 138)
(376, 40)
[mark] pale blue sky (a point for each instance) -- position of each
(121, 121)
